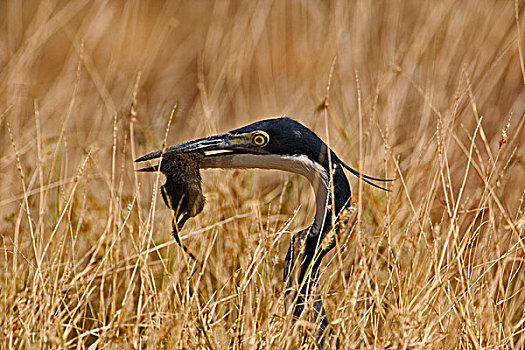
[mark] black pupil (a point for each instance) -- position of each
(259, 139)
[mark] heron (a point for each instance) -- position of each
(285, 144)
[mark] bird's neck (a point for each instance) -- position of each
(331, 197)
(317, 175)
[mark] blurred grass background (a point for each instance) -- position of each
(428, 92)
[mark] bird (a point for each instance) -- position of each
(285, 144)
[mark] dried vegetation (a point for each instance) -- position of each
(428, 92)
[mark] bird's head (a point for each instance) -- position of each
(280, 143)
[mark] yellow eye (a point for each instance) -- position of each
(260, 139)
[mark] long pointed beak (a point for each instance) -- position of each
(209, 146)
(212, 143)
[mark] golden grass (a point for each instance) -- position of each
(429, 92)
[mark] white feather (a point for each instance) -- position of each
(301, 164)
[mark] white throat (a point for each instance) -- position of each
(302, 165)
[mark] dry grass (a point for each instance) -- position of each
(429, 92)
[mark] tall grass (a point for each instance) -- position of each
(428, 92)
